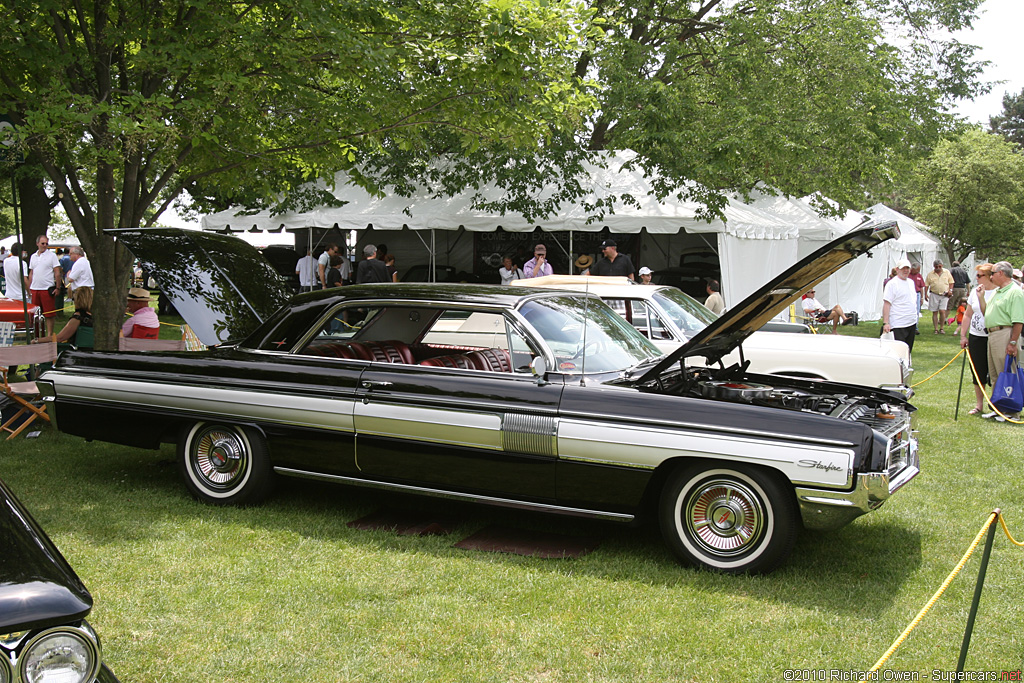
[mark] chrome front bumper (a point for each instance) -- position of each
(824, 510)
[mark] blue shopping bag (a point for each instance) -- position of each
(1008, 393)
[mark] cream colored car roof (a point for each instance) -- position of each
(604, 287)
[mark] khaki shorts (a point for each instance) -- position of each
(937, 302)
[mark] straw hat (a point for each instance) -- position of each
(584, 261)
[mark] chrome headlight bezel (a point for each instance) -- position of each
(5, 668)
(82, 634)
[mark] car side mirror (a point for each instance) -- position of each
(539, 368)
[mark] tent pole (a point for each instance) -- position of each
(572, 250)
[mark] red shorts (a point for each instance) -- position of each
(47, 303)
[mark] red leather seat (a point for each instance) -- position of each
(456, 361)
(493, 360)
(360, 351)
(391, 351)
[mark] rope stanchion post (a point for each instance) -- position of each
(977, 594)
(960, 389)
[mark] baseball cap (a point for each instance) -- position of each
(903, 263)
(608, 243)
(646, 271)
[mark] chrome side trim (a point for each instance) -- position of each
(648, 421)
(475, 429)
(648, 447)
(525, 433)
(225, 403)
(455, 495)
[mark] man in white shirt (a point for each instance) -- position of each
(15, 284)
(306, 270)
(44, 277)
(899, 305)
(80, 274)
(815, 309)
(323, 265)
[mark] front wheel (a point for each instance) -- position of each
(733, 519)
(225, 464)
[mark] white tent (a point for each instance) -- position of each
(754, 242)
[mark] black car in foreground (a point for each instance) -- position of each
(44, 637)
(539, 399)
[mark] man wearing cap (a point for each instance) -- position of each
(899, 305)
(815, 309)
(939, 283)
(645, 275)
(144, 323)
(613, 262)
(1004, 319)
(538, 266)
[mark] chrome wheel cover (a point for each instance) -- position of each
(724, 517)
(219, 458)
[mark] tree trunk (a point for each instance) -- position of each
(35, 209)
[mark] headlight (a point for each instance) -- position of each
(61, 655)
(5, 671)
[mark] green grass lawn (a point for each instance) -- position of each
(288, 592)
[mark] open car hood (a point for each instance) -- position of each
(221, 285)
(739, 322)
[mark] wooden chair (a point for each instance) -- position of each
(24, 394)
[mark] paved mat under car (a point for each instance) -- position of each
(405, 523)
(495, 539)
(529, 542)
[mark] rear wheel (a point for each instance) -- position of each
(734, 519)
(225, 464)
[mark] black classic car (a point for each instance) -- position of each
(539, 399)
(44, 637)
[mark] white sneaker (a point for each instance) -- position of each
(1000, 418)
(989, 416)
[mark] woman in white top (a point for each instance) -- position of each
(973, 336)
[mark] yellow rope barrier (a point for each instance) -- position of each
(1002, 522)
(988, 400)
(942, 589)
(938, 371)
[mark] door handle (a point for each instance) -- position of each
(367, 384)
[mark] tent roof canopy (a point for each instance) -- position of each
(421, 211)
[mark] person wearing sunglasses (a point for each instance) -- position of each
(538, 266)
(974, 337)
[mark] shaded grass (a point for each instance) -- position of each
(288, 592)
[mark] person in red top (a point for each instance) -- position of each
(915, 275)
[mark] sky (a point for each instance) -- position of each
(997, 32)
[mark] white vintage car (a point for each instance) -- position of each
(669, 317)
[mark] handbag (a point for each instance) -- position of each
(1008, 393)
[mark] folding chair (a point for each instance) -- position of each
(797, 315)
(6, 334)
(24, 394)
(133, 344)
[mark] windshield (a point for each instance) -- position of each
(684, 311)
(607, 343)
